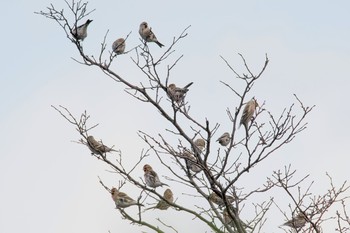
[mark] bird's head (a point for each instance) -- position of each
(144, 25)
(168, 193)
(113, 191)
(147, 168)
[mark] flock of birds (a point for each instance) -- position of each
(151, 178)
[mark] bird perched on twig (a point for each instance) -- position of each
(97, 147)
(224, 139)
(163, 205)
(296, 222)
(200, 143)
(191, 161)
(248, 112)
(177, 94)
(122, 200)
(151, 177)
(213, 197)
(147, 34)
(118, 46)
(80, 33)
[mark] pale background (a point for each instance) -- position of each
(50, 184)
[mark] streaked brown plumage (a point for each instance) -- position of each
(81, 32)
(296, 222)
(191, 161)
(118, 46)
(97, 147)
(163, 205)
(200, 143)
(122, 200)
(147, 34)
(213, 197)
(177, 94)
(248, 112)
(151, 177)
(224, 139)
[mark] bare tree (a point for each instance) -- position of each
(211, 175)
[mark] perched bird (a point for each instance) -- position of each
(248, 112)
(163, 205)
(122, 200)
(147, 34)
(177, 94)
(213, 197)
(118, 46)
(224, 139)
(200, 143)
(80, 33)
(151, 177)
(191, 162)
(296, 222)
(97, 147)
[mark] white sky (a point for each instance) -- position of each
(49, 184)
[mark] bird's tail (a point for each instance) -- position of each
(188, 85)
(159, 44)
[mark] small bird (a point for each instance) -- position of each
(81, 32)
(224, 139)
(147, 34)
(118, 46)
(200, 143)
(296, 222)
(151, 177)
(177, 94)
(122, 200)
(163, 205)
(191, 162)
(213, 197)
(248, 112)
(97, 147)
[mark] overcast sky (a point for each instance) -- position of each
(49, 183)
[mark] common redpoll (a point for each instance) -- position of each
(147, 34)
(248, 112)
(81, 32)
(97, 147)
(151, 177)
(122, 200)
(200, 144)
(224, 139)
(177, 94)
(191, 162)
(163, 205)
(213, 197)
(118, 46)
(296, 222)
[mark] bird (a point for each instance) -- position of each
(200, 143)
(80, 33)
(191, 162)
(224, 139)
(151, 177)
(177, 94)
(147, 34)
(122, 200)
(97, 147)
(162, 204)
(248, 112)
(118, 46)
(296, 222)
(213, 197)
